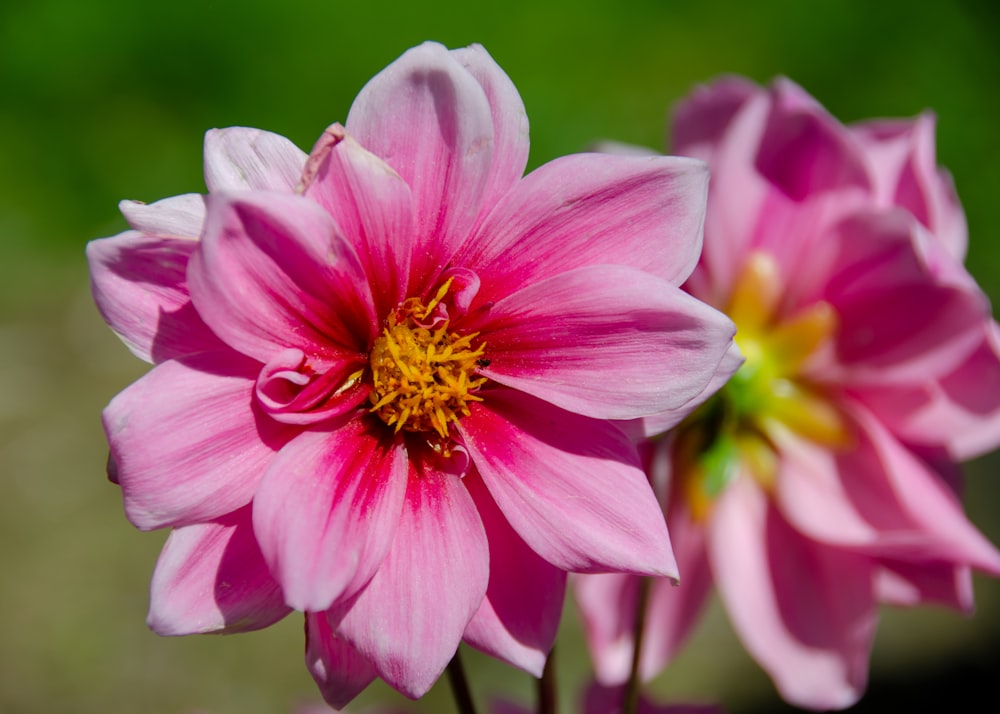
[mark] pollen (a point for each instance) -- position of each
(424, 378)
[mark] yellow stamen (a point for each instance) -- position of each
(759, 457)
(756, 294)
(776, 392)
(423, 379)
(809, 414)
(793, 341)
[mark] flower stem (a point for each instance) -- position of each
(460, 686)
(547, 701)
(630, 705)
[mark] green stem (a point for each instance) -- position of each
(547, 686)
(460, 686)
(630, 705)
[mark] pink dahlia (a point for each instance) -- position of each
(821, 481)
(384, 375)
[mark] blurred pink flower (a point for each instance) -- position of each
(822, 479)
(598, 699)
(384, 374)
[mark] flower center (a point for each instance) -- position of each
(423, 373)
(769, 394)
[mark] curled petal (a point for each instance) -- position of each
(439, 567)
(211, 577)
(291, 391)
(570, 486)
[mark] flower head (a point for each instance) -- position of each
(385, 373)
(820, 481)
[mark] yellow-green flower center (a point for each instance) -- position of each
(424, 377)
(772, 392)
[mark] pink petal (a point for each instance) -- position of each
(569, 485)
(140, 288)
(338, 669)
(327, 508)
(607, 604)
(560, 339)
(645, 212)
(898, 321)
(502, 706)
(675, 609)
(510, 121)
(973, 394)
(701, 120)
(431, 121)
(960, 410)
(804, 611)
(814, 493)
(804, 150)
(273, 272)
(930, 502)
(211, 577)
(878, 498)
(240, 158)
(291, 392)
(901, 157)
(410, 619)
(176, 217)
(518, 619)
(599, 699)
(372, 206)
(188, 443)
(736, 199)
(911, 584)
(662, 422)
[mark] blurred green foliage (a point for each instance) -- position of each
(109, 99)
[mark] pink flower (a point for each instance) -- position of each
(384, 373)
(821, 481)
(598, 699)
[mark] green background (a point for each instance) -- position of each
(106, 100)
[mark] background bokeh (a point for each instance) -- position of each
(109, 99)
